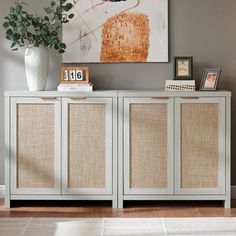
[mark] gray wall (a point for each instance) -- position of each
(204, 29)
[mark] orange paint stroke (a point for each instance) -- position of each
(138, 2)
(92, 3)
(86, 34)
(81, 36)
(89, 9)
(84, 22)
(125, 38)
(89, 28)
(92, 31)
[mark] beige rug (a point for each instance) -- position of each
(117, 226)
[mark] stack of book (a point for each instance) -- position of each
(75, 87)
(180, 85)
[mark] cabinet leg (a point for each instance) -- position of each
(120, 203)
(114, 203)
(227, 203)
(7, 203)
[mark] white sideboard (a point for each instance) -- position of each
(117, 145)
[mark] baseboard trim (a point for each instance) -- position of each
(2, 191)
(233, 191)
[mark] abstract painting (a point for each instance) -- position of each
(117, 31)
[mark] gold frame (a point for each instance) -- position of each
(84, 81)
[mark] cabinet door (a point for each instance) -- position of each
(148, 145)
(35, 146)
(87, 146)
(200, 146)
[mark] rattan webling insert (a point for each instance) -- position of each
(148, 145)
(35, 129)
(87, 146)
(199, 145)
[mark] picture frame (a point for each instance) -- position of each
(74, 75)
(183, 68)
(210, 79)
(94, 38)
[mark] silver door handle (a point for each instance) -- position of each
(48, 97)
(163, 98)
(189, 97)
(77, 98)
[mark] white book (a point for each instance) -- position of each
(81, 88)
(74, 85)
(180, 85)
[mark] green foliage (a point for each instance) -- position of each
(23, 28)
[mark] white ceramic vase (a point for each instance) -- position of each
(36, 67)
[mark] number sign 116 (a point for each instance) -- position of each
(73, 75)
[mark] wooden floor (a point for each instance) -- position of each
(103, 209)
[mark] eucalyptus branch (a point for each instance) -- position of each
(23, 27)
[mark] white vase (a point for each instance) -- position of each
(36, 67)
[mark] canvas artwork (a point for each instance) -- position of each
(117, 31)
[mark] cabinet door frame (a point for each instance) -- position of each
(222, 148)
(109, 147)
(170, 158)
(57, 141)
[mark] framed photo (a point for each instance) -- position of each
(74, 75)
(210, 79)
(183, 68)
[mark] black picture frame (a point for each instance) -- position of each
(210, 79)
(184, 72)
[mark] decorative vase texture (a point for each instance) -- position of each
(36, 67)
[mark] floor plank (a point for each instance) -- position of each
(104, 209)
(215, 212)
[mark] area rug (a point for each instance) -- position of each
(117, 226)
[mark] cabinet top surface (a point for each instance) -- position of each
(119, 93)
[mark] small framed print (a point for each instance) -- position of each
(183, 68)
(210, 79)
(74, 75)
